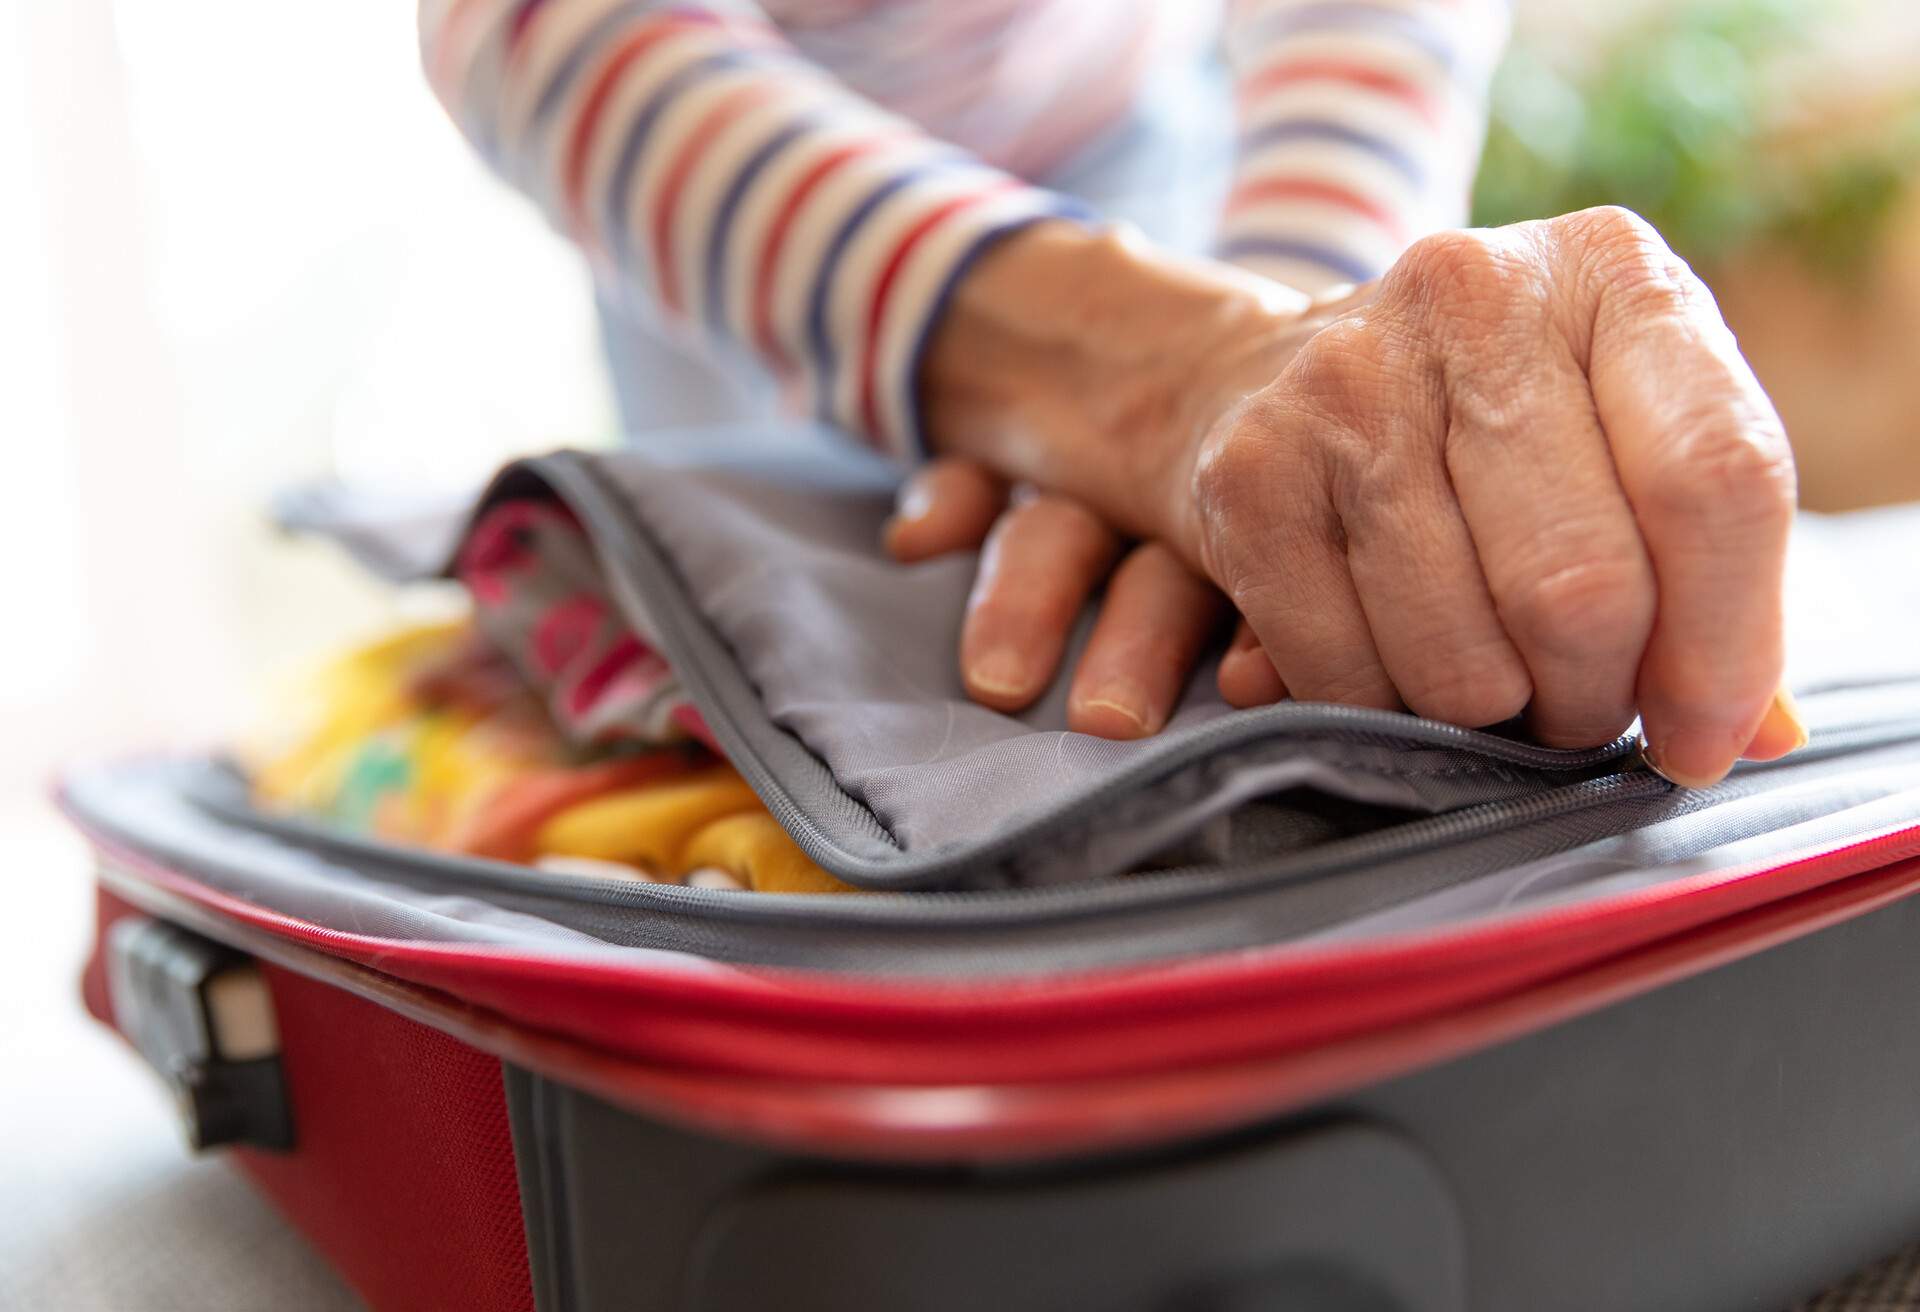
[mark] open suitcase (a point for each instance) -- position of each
(1301, 1007)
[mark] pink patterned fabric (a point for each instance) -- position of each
(538, 595)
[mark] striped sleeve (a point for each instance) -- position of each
(1360, 126)
(716, 176)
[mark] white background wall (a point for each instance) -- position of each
(239, 246)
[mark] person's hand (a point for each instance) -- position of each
(1042, 557)
(1528, 471)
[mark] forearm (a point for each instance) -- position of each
(723, 182)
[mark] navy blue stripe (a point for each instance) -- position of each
(723, 217)
(818, 339)
(583, 50)
(1318, 129)
(1061, 207)
(1327, 257)
(1364, 17)
(633, 146)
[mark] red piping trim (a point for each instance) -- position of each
(812, 1025)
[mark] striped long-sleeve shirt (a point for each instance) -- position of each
(806, 179)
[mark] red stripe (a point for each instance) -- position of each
(644, 37)
(521, 39)
(889, 273)
(1259, 190)
(808, 182)
(625, 653)
(716, 121)
(1292, 72)
(522, 24)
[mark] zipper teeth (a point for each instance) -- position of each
(219, 792)
(1159, 887)
(1406, 955)
(696, 917)
(1864, 853)
(659, 595)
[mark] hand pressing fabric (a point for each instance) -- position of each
(1526, 471)
(1042, 556)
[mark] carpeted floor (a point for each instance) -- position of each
(1889, 1286)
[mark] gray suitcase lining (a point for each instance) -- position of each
(1284, 823)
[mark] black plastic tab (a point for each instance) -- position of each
(200, 1013)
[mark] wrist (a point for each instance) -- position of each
(1091, 364)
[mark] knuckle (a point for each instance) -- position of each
(1473, 688)
(1602, 603)
(1631, 262)
(1338, 370)
(1700, 689)
(1460, 273)
(1022, 610)
(1733, 476)
(1050, 530)
(1242, 470)
(1611, 226)
(1366, 405)
(1228, 467)
(1068, 521)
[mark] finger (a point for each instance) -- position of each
(1273, 540)
(1419, 580)
(1246, 676)
(1568, 592)
(1705, 463)
(945, 506)
(1041, 560)
(1154, 621)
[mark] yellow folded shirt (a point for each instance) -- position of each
(753, 848)
(648, 826)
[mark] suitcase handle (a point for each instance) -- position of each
(201, 1015)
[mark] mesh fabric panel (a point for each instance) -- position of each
(403, 1169)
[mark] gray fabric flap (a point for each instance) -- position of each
(829, 674)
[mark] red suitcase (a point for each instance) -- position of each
(1439, 1021)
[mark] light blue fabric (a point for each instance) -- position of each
(1164, 170)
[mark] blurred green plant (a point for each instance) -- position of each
(1677, 121)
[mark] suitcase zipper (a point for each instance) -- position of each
(1089, 1023)
(687, 919)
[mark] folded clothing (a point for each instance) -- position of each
(432, 737)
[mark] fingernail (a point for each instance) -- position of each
(1781, 730)
(1690, 760)
(912, 507)
(1123, 701)
(1002, 672)
(914, 502)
